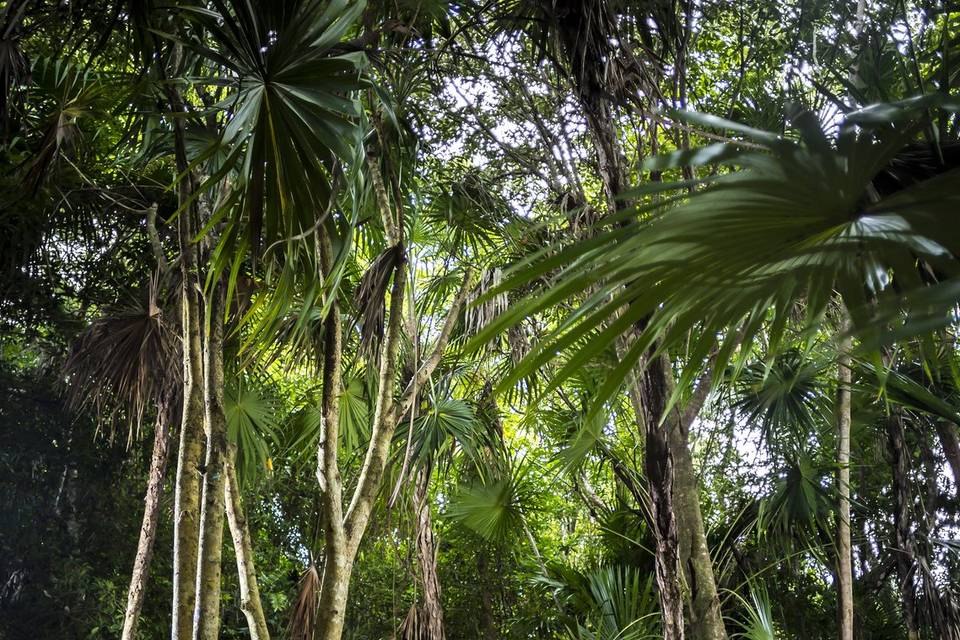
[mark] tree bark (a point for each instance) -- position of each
(250, 602)
(206, 615)
(429, 615)
(950, 442)
(488, 622)
(706, 622)
(669, 468)
(844, 553)
(187, 483)
(903, 539)
(334, 581)
(654, 385)
(148, 529)
(344, 531)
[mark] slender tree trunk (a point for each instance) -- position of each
(431, 613)
(659, 468)
(903, 542)
(187, 483)
(186, 526)
(250, 602)
(488, 622)
(650, 392)
(950, 442)
(335, 579)
(206, 615)
(345, 530)
(706, 623)
(844, 553)
(334, 589)
(672, 481)
(148, 530)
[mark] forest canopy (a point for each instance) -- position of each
(562, 319)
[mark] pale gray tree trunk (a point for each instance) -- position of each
(187, 483)
(844, 551)
(250, 602)
(148, 529)
(206, 614)
(345, 529)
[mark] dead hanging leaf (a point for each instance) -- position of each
(303, 621)
(123, 362)
(372, 297)
(479, 315)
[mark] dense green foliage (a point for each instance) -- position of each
(517, 213)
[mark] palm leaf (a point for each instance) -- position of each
(797, 222)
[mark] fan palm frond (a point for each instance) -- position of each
(123, 362)
(799, 221)
(251, 425)
(495, 508)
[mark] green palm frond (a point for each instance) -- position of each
(446, 423)
(302, 431)
(616, 602)
(786, 397)
(495, 509)
(251, 425)
(759, 623)
(800, 508)
(293, 122)
(71, 95)
(799, 221)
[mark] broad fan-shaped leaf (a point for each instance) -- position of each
(798, 222)
(251, 426)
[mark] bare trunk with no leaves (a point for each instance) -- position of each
(654, 387)
(426, 620)
(206, 615)
(706, 622)
(187, 485)
(903, 539)
(250, 602)
(148, 530)
(844, 553)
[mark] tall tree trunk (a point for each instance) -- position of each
(903, 539)
(844, 553)
(673, 482)
(206, 615)
(148, 529)
(335, 579)
(706, 622)
(654, 385)
(250, 602)
(334, 589)
(187, 484)
(649, 394)
(345, 530)
(950, 442)
(431, 612)
(488, 622)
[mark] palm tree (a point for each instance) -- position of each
(738, 255)
(124, 365)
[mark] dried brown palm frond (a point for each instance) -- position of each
(479, 314)
(303, 621)
(411, 627)
(372, 296)
(123, 362)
